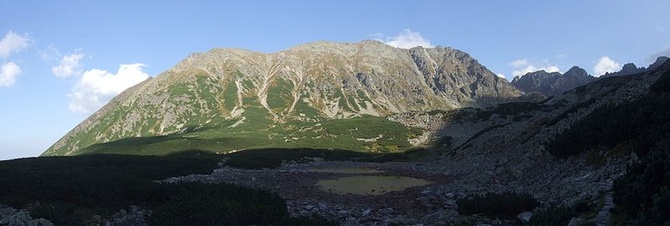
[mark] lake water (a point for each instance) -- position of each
(346, 170)
(370, 185)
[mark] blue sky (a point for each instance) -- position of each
(61, 60)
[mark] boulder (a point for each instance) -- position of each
(525, 216)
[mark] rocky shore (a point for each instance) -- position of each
(432, 204)
(297, 184)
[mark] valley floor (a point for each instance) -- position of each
(297, 183)
(432, 204)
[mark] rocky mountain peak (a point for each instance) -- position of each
(659, 61)
(229, 87)
(629, 67)
(554, 83)
(576, 71)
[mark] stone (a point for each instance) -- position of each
(525, 216)
(425, 201)
(6, 211)
(366, 212)
(386, 211)
(18, 218)
(39, 222)
(576, 221)
(450, 204)
(497, 222)
(350, 222)
(447, 216)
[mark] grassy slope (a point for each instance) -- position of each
(199, 102)
(258, 132)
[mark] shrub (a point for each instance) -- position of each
(505, 205)
(643, 120)
(218, 204)
(642, 195)
(273, 157)
(555, 216)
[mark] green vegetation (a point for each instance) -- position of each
(72, 190)
(644, 121)
(467, 144)
(230, 96)
(279, 95)
(554, 216)
(510, 109)
(217, 204)
(642, 195)
(561, 215)
(272, 158)
(573, 109)
(367, 133)
(505, 205)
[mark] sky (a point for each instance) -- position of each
(62, 60)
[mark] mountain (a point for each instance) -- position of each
(322, 94)
(550, 84)
(605, 140)
(659, 62)
(631, 68)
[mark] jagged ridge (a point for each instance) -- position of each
(238, 89)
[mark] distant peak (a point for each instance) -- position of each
(576, 71)
(629, 67)
(659, 61)
(371, 41)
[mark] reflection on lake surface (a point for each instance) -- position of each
(346, 170)
(370, 185)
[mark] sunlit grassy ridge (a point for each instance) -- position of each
(204, 113)
(311, 83)
(370, 134)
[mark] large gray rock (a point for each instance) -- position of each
(442, 216)
(525, 216)
(39, 222)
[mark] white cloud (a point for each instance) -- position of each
(69, 65)
(531, 68)
(406, 39)
(97, 87)
(523, 66)
(49, 54)
(604, 65)
(519, 63)
(500, 75)
(13, 43)
(8, 74)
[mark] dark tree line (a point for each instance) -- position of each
(642, 195)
